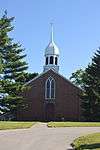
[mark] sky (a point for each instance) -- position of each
(76, 30)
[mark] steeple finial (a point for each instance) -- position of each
(51, 32)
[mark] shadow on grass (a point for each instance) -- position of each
(89, 146)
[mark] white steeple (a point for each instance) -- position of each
(51, 32)
(51, 54)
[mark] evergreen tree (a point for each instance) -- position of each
(78, 77)
(89, 81)
(1, 64)
(91, 94)
(5, 28)
(14, 66)
(1, 90)
(27, 77)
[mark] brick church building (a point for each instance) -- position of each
(50, 96)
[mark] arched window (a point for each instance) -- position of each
(51, 60)
(50, 88)
(46, 60)
(56, 61)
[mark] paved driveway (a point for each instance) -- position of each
(39, 137)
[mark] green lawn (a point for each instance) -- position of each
(91, 141)
(15, 125)
(74, 124)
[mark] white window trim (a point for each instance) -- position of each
(50, 88)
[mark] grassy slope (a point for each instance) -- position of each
(14, 125)
(73, 124)
(91, 141)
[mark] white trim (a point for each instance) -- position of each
(52, 79)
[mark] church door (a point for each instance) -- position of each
(49, 112)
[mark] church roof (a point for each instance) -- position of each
(55, 73)
(52, 49)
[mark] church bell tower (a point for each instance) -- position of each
(51, 54)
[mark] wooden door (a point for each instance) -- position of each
(49, 112)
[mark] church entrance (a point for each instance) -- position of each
(49, 112)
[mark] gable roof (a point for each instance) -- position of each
(35, 78)
(55, 73)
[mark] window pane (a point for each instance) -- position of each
(52, 84)
(48, 89)
(52, 93)
(52, 89)
(48, 93)
(48, 84)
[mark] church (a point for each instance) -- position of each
(50, 96)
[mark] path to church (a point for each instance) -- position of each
(40, 137)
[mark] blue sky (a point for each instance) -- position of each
(76, 30)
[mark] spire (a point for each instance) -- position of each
(51, 32)
(51, 54)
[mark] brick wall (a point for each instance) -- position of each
(66, 102)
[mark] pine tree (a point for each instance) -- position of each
(1, 89)
(14, 66)
(78, 78)
(5, 27)
(27, 77)
(13, 71)
(91, 94)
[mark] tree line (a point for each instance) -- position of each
(89, 81)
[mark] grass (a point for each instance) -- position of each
(15, 125)
(74, 124)
(91, 141)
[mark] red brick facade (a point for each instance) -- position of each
(66, 104)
